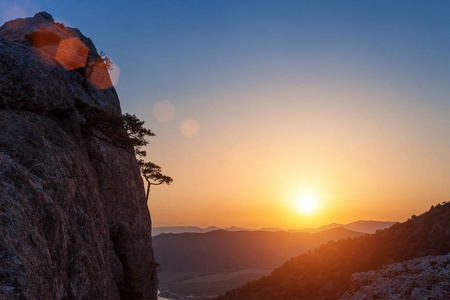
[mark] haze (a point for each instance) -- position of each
(255, 103)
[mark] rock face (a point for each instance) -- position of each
(74, 222)
(418, 279)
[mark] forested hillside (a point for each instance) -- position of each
(325, 273)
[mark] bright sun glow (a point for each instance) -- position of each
(307, 203)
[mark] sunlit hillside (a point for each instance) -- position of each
(325, 273)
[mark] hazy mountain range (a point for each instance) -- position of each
(359, 226)
(211, 263)
(226, 251)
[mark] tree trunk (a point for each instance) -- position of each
(148, 189)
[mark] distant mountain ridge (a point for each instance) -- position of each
(226, 251)
(181, 229)
(187, 260)
(359, 226)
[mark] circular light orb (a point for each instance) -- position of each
(189, 127)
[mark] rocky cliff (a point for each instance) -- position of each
(418, 279)
(74, 218)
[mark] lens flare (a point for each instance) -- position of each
(163, 111)
(72, 53)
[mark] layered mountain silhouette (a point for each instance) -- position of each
(325, 273)
(227, 251)
(181, 229)
(359, 226)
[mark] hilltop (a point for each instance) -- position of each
(325, 273)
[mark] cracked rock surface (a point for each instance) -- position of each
(418, 279)
(74, 222)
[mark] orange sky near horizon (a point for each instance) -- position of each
(255, 103)
(355, 149)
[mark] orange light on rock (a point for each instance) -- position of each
(45, 44)
(72, 53)
(97, 74)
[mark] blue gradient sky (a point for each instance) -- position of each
(347, 100)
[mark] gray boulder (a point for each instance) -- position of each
(426, 278)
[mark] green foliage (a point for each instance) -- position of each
(127, 132)
(107, 122)
(103, 57)
(136, 132)
(152, 172)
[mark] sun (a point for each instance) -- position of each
(307, 203)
